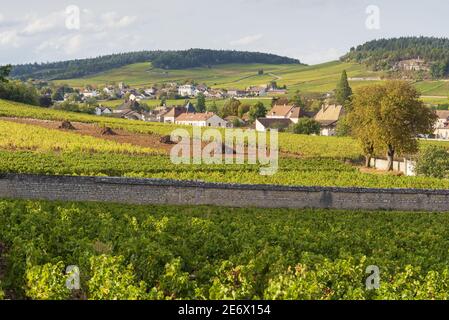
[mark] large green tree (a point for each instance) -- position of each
(257, 111)
(343, 92)
(200, 103)
(388, 118)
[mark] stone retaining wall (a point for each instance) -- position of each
(150, 191)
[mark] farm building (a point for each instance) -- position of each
(208, 119)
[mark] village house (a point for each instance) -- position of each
(234, 119)
(235, 93)
(90, 94)
(187, 90)
(265, 124)
(208, 119)
(132, 115)
(171, 115)
(127, 106)
(285, 112)
(257, 91)
(274, 91)
(215, 94)
(328, 118)
(442, 125)
(100, 111)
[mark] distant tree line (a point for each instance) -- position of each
(383, 54)
(159, 59)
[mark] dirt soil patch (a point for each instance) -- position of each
(163, 144)
(93, 130)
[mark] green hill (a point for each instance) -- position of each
(313, 79)
(387, 54)
(166, 60)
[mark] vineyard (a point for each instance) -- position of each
(306, 146)
(307, 172)
(15, 136)
(26, 148)
(161, 252)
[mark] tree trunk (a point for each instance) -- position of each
(368, 161)
(390, 156)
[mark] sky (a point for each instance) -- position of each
(313, 31)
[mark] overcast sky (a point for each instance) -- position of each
(313, 31)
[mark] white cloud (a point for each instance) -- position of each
(9, 38)
(37, 25)
(70, 44)
(74, 44)
(246, 40)
(113, 20)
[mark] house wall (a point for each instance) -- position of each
(260, 127)
(328, 131)
(442, 133)
(147, 191)
(169, 120)
(216, 121)
(192, 123)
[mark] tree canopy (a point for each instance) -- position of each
(388, 118)
(343, 92)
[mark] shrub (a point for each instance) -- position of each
(433, 161)
(19, 92)
(47, 282)
(113, 280)
(306, 126)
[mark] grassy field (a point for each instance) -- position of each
(321, 78)
(310, 79)
(167, 252)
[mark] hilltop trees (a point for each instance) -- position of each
(4, 73)
(343, 92)
(384, 54)
(159, 59)
(388, 117)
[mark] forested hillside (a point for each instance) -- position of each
(385, 54)
(160, 59)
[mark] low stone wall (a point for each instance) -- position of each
(149, 191)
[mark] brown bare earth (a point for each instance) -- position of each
(88, 129)
(119, 136)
